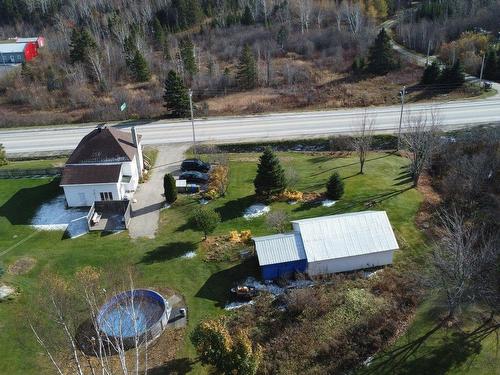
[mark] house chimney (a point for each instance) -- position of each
(138, 153)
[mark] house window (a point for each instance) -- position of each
(107, 196)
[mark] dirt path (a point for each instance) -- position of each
(146, 212)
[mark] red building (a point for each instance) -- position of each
(22, 50)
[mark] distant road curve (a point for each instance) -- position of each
(453, 114)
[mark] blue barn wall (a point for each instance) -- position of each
(274, 271)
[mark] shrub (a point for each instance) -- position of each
(335, 187)
(3, 156)
(218, 181)
(169, 188)
(228, 353)
(240, 237)
(206, 220)
(234, 236)
(246, 235)
(292, 195)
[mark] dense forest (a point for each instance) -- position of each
(454, 29)
(265, 54)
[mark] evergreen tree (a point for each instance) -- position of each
(129, 49)
(453, 76)
(491, 65)
(270, 179)
(358, 65)
(176, 96)
(247, 70)
(159, 34)
(335, 187)
(140, 68)
(381, 57)
(247, 17)
(187, 55)
(431, 74)
(81, 43)
(169, 188)
(282, 36)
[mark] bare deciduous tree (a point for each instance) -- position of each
(464, 263)
(73, 335)
(420, 140)
(278, 220)
(362, 140)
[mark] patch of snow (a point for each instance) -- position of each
(237, 305)
(6, 291)
(274, 289)
(204, 201)
(54, 215)
(189, 255)
(328, 203)
(256, 210)
(299, 284)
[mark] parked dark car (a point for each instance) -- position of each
(194, 177)
(195, 165)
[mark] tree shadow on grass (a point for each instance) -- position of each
(168, 251)
(178, 366)
(404, 177)
(451, 351)
(21, 207)
(385, 155)
(217, 287)
(234, 209)
(365, 201)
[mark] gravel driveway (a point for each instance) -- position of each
(146, 212)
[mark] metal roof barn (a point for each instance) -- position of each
(280, 254)
(346, 235)
(329, 244)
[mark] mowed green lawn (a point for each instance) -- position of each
(34, 164)
(204, 285)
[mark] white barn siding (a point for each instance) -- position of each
(350, 263)
(86, 195)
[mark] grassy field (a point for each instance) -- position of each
(430, 348)
(34, 164)
(204, 285)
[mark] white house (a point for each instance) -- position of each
(106, 165)
(329, 244)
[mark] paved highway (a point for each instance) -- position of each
(453, 114)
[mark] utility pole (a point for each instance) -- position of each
(192, 120)
(428, 53)
(402, 93)
(481, 74)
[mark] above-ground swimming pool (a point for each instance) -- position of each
(140, 313)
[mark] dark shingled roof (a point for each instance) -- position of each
(104, 145)
(90, 174)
